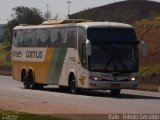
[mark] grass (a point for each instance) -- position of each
(25, 116)
(4, 52)
(145, 71)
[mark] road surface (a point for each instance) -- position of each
(51, 100)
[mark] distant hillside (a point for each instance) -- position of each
(149, 31)
(1, 31)
(124, 11)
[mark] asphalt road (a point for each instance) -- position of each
(52, 100)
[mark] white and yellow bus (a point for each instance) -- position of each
(77, 54)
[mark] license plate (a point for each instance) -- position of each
(115, 85)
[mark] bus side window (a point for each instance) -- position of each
(84, 56)
(72, 37)
(14, 40)
(14, 34)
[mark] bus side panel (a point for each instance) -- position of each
(55, 67)
(42, 68)
(27, 66)
(15, 70)
(41, 73)
(70, 64)
(82, 77)
(39, 66)
(17, 67)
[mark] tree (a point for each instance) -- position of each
(25, 15)
(22, 15)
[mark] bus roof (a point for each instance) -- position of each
(104, 25)
(71, 23)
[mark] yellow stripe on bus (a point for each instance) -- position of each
(40, 69)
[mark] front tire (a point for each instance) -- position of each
(32, 84)
(115, 92)
(72, 85)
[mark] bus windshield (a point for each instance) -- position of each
(117, 35)
(116, 52)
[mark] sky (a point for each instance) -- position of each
(59, 7)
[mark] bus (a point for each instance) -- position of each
(77, 54)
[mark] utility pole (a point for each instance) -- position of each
(69, 3)
(47, 11)
(47, 14)
(47, 8)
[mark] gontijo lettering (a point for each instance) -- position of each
(34, 54)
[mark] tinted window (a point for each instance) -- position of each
(118, 35)
(50, 37)
(81, 45)
(114, 58)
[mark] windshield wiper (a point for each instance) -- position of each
(122, 63)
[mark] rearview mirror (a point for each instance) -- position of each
(143, 48)
(88, 48)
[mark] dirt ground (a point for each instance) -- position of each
(55, 110)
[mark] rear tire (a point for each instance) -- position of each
(115, 92)
(25, 82)
(72, 85)
(32, 84)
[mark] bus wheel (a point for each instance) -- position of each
(72, 85)
(32, 84)
(31, 81)
(115, 92)
(25, 82)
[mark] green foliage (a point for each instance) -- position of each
(25, 15)
(149, 70)
(148, 30)
(4, 53)
(157, 18)
(37, 117)
(25, 116)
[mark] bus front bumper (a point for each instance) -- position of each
(107, 85)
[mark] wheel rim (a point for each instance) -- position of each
(30, 79)
(25, 82)
(73, 86)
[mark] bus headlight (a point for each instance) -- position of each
(95, 78)
(133, 79)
